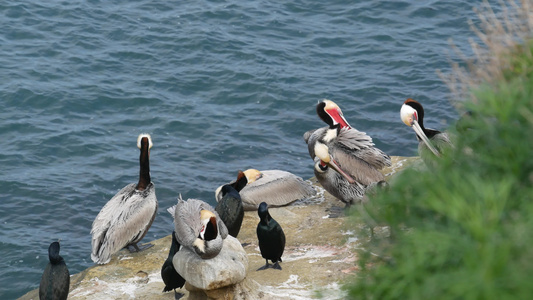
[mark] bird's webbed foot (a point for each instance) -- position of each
(266, 266)
(276, 266)
(178, 296)
(135, 248)
(336, 212)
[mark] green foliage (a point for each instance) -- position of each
(463, 229)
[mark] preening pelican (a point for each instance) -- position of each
(275, 187)
(199, 227)
(431, 142)
(346, 151)
(126, 218)
(334, 179)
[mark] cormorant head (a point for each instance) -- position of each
(262, 211)
(53, 253)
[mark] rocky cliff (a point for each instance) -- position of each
(319, 255)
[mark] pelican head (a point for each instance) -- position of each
(412, 115)
(144, 135)
(209, 225)
(322, 152)
(252, 175)
(331, 113)
(208, 233)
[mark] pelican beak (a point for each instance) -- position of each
(322, 152)
(332, 163)
(409, 117)
(424, 138)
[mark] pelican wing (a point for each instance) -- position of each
(361, 170)
(187, 221)
(354, 139)
(360, 145)
(276, 188)
(124, 220)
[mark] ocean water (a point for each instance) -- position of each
(220, 86)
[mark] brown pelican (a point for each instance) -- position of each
(55, 281)
(126, 218)
(412, 114)
(199, 227)
(334, 179)
(275, 187)
(346, 151)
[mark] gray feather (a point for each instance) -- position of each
(188, 226)
(276, 188)
(124, 220)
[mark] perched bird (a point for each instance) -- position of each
(275, 187)
(126, 218)
(334, 179)
(271, 238)
(55, 281)
(170, 276)
(347, 151)
(199, 227)
(230, 208)
(431, 142)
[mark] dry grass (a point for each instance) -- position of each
(499, 33)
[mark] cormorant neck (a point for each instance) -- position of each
(53, 253)
(265, 219)
(175, 245)
(56, 259)
(144, 173)
(229, 189)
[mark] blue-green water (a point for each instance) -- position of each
(220, 86)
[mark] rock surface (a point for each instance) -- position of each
(227, 268)
(319, 256)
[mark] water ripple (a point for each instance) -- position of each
(220, 85)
